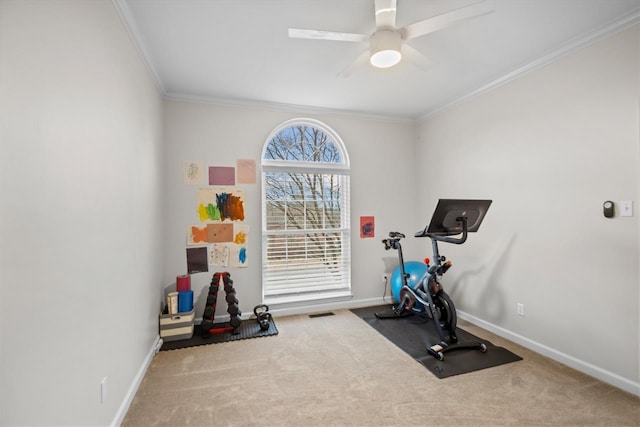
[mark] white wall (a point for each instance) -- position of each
(549, 148)
(380, 154)
(80, 231)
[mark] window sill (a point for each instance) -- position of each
(306, 299)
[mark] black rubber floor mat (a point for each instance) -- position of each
(414, 335)
(248, 329)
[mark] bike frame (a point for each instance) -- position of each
(428, 287)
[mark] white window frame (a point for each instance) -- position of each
(297, 283)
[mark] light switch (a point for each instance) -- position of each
(626, 208)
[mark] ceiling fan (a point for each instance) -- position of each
(387, 45)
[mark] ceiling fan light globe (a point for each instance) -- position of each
(385, 58)
(385, 48)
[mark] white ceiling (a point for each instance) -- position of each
(239, 52)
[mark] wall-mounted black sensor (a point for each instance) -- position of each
(607, 208)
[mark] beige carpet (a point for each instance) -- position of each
(338, 371)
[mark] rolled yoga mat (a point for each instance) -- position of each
(183, 283)
(185, 301)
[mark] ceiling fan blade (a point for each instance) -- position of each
(446, 19)
(360, 61)
(298, 33)
(415, 57)
(385, 13)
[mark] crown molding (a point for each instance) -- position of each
(286, 108)
(615, 26)
(138, 41)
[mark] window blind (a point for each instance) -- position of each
(306, 231)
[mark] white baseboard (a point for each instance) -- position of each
(334, 305)
(577, 364)
(124, 406)
(308, 309)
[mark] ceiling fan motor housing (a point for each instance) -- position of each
(385, 48)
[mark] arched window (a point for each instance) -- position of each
(305, 214)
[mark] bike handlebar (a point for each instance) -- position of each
(393, 241)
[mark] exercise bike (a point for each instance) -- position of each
(425, 295)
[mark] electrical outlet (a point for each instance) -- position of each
(520, 309)
(103, 390)
(626, 208)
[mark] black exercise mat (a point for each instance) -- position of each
(413, 335)
(248, 329)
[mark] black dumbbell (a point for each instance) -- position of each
(235, 322)
(231, 298)
(206, 325)
(233, 310)
(211, 299)
(209, 312)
